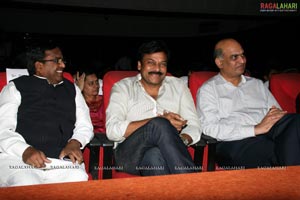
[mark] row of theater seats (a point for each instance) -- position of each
(98, 155)
(285, 88)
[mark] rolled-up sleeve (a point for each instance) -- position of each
(116, 122)
(188, 112)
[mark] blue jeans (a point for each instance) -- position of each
(154, 149)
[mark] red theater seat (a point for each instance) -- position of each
(2, 80)
(109, 79)
(196, 80)
(285, 87)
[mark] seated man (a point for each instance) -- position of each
(43, 119)
(241, 113)
(152, 118)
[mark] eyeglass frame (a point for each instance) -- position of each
(56, 60)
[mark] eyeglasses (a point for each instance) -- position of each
(56, 60)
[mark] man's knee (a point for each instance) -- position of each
(159, 121)
(153, 163)
(153, 157)
(163, 125)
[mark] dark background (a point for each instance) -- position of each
(96, 33)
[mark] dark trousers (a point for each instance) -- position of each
(279, 147)
(154, 149)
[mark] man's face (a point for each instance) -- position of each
(233, 63)
(52, 66)
(153, 68)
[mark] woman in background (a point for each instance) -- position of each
(88, 83)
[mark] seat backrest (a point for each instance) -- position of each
(3, 80)
(285, 87)
(68, 76)
(196, 80)
(110, 78)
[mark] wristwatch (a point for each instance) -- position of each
(184, 140)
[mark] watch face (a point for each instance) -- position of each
(186, 141)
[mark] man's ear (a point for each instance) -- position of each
(139, 66)
(219, 63)
(38, 67)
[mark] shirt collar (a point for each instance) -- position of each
(138, 77)
(221, 80)
(41, 77)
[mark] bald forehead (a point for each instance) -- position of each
(228, 47)
(226, 43)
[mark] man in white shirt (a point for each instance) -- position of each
(152, 118)
(242, 114)
(43, 119)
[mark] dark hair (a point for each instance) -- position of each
(90, 71)
(36, 52)
(218, 53)
(153, 47)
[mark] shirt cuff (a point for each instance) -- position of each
(19, 149)
(81, 139)
(194, 134)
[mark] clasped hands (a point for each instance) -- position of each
(274, 115)
(175, 119)
(38, 159)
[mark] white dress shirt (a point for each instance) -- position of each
(230, 113)
(12, 143)
(130, 102)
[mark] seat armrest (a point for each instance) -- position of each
(211, 155)
(198, 153)
(101, 140)
(200, 143)
(208, 139)
(210, 142)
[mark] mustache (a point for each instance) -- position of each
(158, 73)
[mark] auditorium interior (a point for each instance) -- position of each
(98, 33)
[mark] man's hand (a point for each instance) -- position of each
(269, 120)
(72, 150)
(176, 120)
(35, 158)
